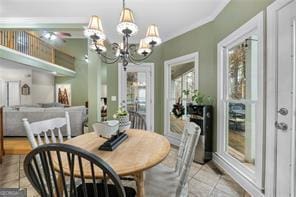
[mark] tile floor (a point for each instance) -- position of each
(204, 181)
(208, 181)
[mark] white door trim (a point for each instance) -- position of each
(120, 78)
(193, 57)
(271, 94)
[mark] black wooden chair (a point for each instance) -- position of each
(39, 169)
(137, 121)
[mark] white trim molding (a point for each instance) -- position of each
(199, 23)
(36, 21)
(144, 67)
(193, 57)
(22, 58)
(236, 175)
(39, 22)
(253, 176)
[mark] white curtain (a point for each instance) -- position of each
(13, 93)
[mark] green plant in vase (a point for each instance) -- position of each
(199, 98)
(122, 116)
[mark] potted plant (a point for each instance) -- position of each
(122, 116)
(199, 98)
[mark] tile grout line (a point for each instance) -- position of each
(214, 187)
(195, 174)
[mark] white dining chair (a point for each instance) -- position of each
(44, 128)
(163, 181)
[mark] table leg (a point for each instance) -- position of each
(140, 184)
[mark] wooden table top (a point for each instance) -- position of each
(142, 150)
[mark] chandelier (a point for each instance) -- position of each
(123, 51)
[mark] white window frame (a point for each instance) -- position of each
(253, 180)
(193, 57)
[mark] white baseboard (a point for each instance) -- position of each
(237, 176)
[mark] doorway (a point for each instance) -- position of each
(13, 93)
(136, 90)
(281, 99)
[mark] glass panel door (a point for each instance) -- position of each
(136, 91)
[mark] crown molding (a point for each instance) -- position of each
(204, 21)
(79, 22)
(38, 22)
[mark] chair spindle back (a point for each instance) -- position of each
(47, 128)
(57, 157)
(137, 120)
(186, 153)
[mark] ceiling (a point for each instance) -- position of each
(180, 69)
(174, 17)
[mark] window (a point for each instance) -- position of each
(240, 101)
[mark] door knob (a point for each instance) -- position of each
(281, 126)
(283, 111)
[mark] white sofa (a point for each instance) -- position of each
(13, 124)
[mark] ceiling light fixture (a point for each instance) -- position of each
(124, 51)
(49, 36)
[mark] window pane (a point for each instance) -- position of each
(242, 70)
(182, 78)
(136, 92)
(188, 81)
(241, 101)
(178, 88)
(241, 132)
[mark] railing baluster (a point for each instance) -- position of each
(30, 44)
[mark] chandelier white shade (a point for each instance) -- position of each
(127, 23)
(152, 35)
(95, 27)
(123, 51)
(144, 48)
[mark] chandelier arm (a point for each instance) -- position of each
(114, 44)
(132, 49)
(131, 46)
(133, 61)
(142, 59)
(109, 58)
(105, 56)
(108, 61)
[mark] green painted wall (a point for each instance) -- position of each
(79, 84)
(205, 39)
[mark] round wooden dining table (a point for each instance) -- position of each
(139, 152)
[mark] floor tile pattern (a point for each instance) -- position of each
(205, 180)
